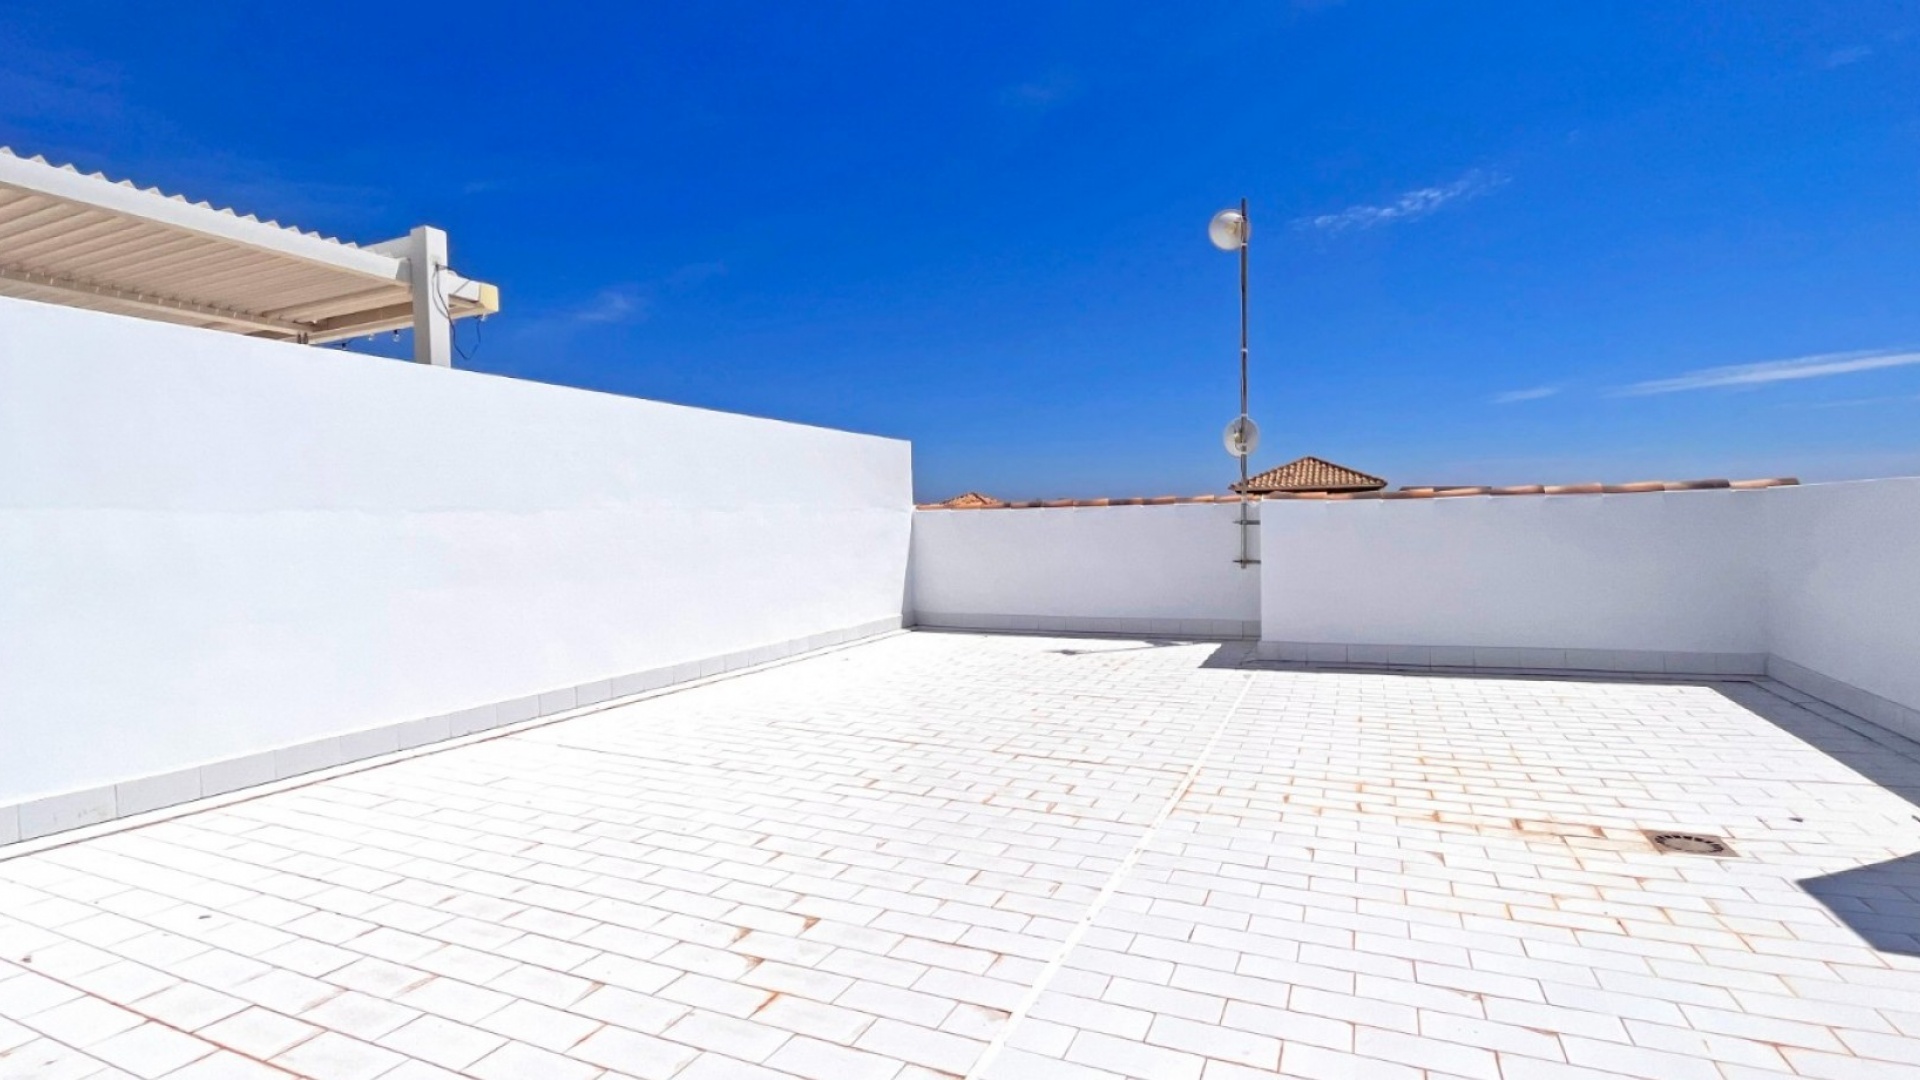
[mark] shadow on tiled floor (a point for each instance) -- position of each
(1099, 648)
(1885, 757)
(1880, 902)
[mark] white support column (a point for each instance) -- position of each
(432, 323)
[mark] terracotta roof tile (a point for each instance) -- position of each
(1403, 493)
(1311, 474)
(971, 500)
(1560, 489)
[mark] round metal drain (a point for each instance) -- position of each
(1690, 843)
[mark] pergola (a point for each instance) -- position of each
(82, 240)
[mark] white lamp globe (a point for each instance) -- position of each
(1228, 230)
(1242, 437)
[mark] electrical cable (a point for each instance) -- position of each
(441, 307)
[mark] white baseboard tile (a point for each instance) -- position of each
(424, 732)
(154, 792)
(35, 818)
(1846, 697)
(75, 809)
(1145, 627)
(235, 774)
(1459, 657)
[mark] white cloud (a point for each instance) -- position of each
(1806, 367)
(1412, 206)
(1851, 55)
(1535, 393)
(618, 304)
(626, 303)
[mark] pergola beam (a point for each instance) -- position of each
(156, 304)
(466, 298)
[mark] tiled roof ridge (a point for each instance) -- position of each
(1404, 493)
(40, 159)
(972, 500)
(1310, 473)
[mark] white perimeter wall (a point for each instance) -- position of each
(1133, 569)
(1844, 587)
(1650, 573)
(211, 546)
(1817, 584)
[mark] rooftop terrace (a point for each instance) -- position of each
(379, 721)
(962, 855)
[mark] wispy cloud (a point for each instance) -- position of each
(1852, 54)
(1042, 93)
(1535, 393)
(614, 304)
(1819, 366)
(624, 303)
(1411, 206)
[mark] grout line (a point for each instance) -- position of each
(1072, 941)
(133, 1007)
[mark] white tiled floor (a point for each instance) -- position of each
(1013, 857)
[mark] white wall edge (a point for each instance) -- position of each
(45, 816)
(1209, 629)
(1846, 697)
(1465, 657)
(1825, 689)
(1163, 569)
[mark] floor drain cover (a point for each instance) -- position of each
(1691, 843)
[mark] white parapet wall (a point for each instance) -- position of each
(1843, 585)
(1147, 570)
(1659, 581)
(224, 561)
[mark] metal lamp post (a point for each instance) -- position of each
(1230, 230)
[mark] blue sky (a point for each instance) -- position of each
(1493, 243)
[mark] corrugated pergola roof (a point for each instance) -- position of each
(83, 240)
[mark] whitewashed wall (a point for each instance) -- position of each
(1843, 564)
(212, 547)
(1652, 581)
(1120, 569)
